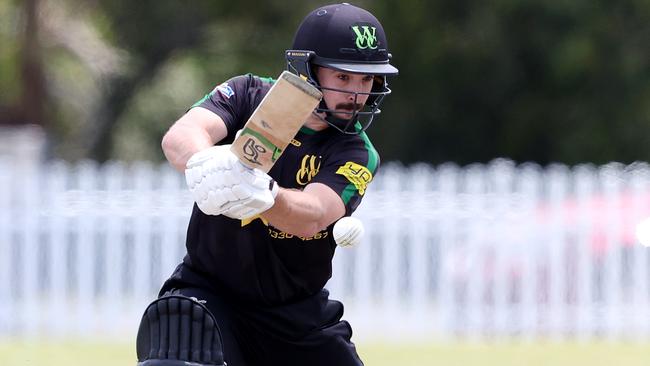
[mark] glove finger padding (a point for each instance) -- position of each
(262, 189)
(217, 156)
(209, 174)
(220, 184)
(207, 161)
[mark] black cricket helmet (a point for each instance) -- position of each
(346, 38)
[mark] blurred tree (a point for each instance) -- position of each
(531, 80)
(150, 31)
(240, 38)
(221, 38)
(31, 81)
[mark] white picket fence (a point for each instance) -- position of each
(491, 251)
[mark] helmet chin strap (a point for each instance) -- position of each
(348, 125)
(340, 124)
(337, 122)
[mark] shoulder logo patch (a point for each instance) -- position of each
(225, 90)
(357, 174)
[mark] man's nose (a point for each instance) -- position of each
(353, 95)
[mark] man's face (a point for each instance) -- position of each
(351, 83)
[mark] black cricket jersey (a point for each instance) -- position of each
(250, 258)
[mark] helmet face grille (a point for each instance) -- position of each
(301, 63)
(350, 39)
(359, 120)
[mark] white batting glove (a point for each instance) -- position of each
(220, 184)
(260, 190)
(210, 175)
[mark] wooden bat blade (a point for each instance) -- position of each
(281, 113)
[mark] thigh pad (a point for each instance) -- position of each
(177, 330)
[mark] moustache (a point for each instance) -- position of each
(349, 106)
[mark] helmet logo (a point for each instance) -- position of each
(366, 37)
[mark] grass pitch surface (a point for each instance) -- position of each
(51, 353)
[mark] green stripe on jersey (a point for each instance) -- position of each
(373, 159)
(266, 79)
(307, 130)
(202, 100)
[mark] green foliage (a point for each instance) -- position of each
(530, 80)
(10, 86)
(8, 54)
(534, 80)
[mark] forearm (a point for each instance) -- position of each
(181, 142)
(197, 130)
(306, 212)
(296, 212)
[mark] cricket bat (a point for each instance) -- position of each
(283, 110)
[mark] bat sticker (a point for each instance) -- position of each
(252, 151)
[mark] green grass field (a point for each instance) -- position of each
(48, 353)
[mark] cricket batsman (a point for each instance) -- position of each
(250, 289)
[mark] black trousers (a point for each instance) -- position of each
(306, 333)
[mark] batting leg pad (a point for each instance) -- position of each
(178, 330)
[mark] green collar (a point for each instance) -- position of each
(308, 131)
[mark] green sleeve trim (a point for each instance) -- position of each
(373, 160)
(265, 79)
(348, 193)
(202, 100)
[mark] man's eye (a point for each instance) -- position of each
(344, 77)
